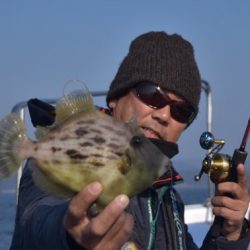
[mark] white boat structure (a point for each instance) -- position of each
(198, 216)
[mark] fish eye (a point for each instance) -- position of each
(136, 141)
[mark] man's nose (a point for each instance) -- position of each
(163, 115)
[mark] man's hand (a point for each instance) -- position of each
(231, 202)
(110, 229)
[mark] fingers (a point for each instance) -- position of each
(118, 234)
(80, 203)
(242, 176)
(121, 236)
(232, 189)
(233, 218)
(232, 195)
(224, 201)
(231, 202)
(110, 228)
(233, 212)
(104, 220)
(228, 208)
(228, 189)
(127, 228)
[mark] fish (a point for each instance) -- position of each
(83, 145)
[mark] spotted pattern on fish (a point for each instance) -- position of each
(98, 164)
(55, 149)
(97, 155)
(101, 143)
(86, 144)
(74, 154)
(64, 138)
(117, 132)
(98, 139)
(80, 122)
(81, 131)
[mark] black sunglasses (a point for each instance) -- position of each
(154, 97)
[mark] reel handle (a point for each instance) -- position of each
(207, 141)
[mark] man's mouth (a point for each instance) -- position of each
(150, 133)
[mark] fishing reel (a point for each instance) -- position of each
(221, 167)
(218, 166)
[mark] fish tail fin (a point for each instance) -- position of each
(12, 132)
(74, 102)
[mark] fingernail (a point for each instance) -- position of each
(123, 200)
(95, 187)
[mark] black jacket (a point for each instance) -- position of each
(39, 220)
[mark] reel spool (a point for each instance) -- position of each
(217, 166)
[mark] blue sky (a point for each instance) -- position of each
(46, 43)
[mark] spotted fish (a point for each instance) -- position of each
(82, 146)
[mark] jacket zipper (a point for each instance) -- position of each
(152, 218)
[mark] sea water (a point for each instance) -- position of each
(7, 212)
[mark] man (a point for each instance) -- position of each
(158, 82)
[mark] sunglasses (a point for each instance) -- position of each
(154, 97)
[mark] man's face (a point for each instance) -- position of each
(154, 123)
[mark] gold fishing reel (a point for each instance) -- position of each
(218, 166)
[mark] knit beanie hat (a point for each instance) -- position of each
(166, 60)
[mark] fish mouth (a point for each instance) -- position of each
(151, 133)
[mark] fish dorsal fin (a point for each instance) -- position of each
(74, 102)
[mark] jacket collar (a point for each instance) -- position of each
(171, 177)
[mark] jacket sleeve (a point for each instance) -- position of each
(221, 243)
(39, 219)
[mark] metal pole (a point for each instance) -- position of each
(206, 87)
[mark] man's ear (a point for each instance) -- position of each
(112, 104)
